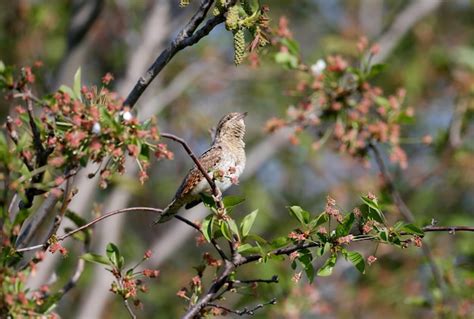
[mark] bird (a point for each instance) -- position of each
(225, 158)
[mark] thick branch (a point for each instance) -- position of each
(187, 37)
(165, 56)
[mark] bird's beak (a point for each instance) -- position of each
(241, 115)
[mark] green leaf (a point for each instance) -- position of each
(244, 247)
(95, 258)
(326, 269)
(113, 254)
(232, 200)
(66, 89)
(375, 70)
(279, 242)
(233, 227)
(247, 223)
(226, 232)
(384, 235)
(307, 261)
(301, 215)
(376, 214)
(344, 228)
(206, 227)
(286, 59)
(292, 46)
(326, 248)
(257, 238)
(75, 218)
(398, 225)
(2, 67)
(208, 200)
(357, 260)
(318, 221)
(77, 84)
(412, 229)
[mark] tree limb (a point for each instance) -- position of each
(186, 37)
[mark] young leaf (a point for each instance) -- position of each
(372, 204)
(344, 228)
(412, 229)
(226, 231)
(301, 215)
(77, 84)
(247, 223)
(279, 242)
(95, 258)
(233, 227)
(292, 45)
(326, 269)
(375, 70)
(66, 89)
(208, 200)
(206, 227)
(357, 260)
(113, 254)
(244, 247)
(318, 221)
(232, 200)
(306, 260)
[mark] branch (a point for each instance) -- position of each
(450, 229)
(274, 279)
(129, 309)
(186, 37)
(242, 260)
(89, 224)
(244, 311)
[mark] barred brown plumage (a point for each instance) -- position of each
(225, 158)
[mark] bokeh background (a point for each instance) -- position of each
(428, 46)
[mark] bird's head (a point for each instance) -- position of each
(231, 127)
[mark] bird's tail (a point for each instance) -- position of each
(170, 210)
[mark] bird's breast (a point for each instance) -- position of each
(228, 170)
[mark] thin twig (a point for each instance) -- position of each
(244, 311)
(450, 229)
(89, 224)
(129, 309)
(274, 279)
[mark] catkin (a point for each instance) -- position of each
(232, 19)
(239, 46)
(183, 3)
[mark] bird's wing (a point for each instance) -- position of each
(208, 160)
